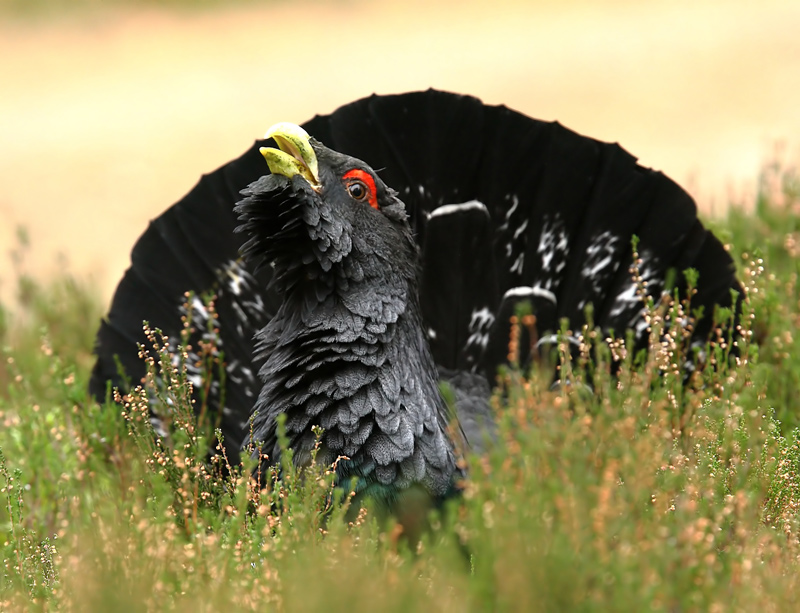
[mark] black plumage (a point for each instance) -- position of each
(346, 316)
(346, 349)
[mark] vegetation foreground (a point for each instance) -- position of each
(644, 494)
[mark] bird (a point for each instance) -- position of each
(359, 260)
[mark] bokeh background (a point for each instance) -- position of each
(110, 111)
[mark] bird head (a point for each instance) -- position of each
(322, 214)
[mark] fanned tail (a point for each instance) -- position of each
(505, 209)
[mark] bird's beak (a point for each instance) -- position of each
(295, 155)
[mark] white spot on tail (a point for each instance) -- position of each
(599, 255)
(544, 293)
(479, 325)
(553, 244)
(518, 292)
(642, 328)
(523, 226)
(600, 263)
(514, 205)
(449, 209)
(199, 310)
(625, 300)
(628, 303)
(553, 251)
(235, 280)
(518, 263)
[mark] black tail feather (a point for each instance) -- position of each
(551, 219)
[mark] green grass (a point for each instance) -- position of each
(642, 496)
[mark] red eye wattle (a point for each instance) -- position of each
(361, 186)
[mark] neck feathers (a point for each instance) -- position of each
(354, 361)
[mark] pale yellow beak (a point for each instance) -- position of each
(295, 155)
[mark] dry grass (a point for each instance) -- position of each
(646, 494)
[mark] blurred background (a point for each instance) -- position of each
(110, 111)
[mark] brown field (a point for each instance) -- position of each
(108, 118)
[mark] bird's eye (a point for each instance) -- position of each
(357, 190)
(361, 186)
